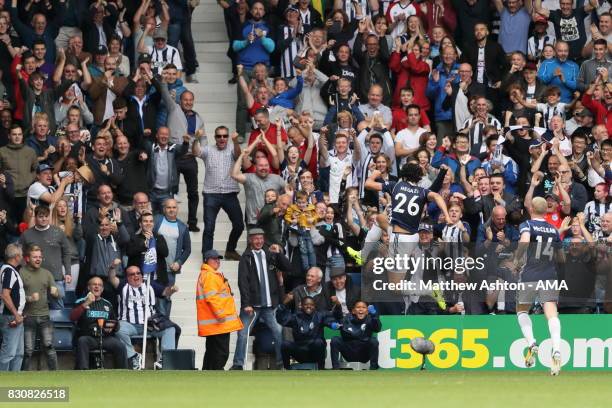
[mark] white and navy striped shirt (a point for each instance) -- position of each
(534, 48)
(291, 52)
(549, 111)
(593, 211)
(161, 58)
(476, 133)
(350, 10)
(452, 235)
(132, 302)
(11, 280)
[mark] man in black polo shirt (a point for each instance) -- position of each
(96, 317)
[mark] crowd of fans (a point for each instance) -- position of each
(97, 128)
(496, 102)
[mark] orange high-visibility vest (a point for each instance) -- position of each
(215, 305)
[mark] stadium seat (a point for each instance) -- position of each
(69, 298)
(63, 329)
(60, 316)
(63, 336)
(181, 359)
(304, 366)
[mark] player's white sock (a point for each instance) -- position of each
(525, 322)
(554, 327)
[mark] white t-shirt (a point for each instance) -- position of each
(409, 139)
(336, 170)
(396, 10)
(36, 190)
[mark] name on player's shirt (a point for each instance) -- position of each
(543, 229)
(409, 189)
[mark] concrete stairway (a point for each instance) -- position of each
(216, 102)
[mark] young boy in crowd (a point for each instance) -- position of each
(356, 341)
(400, 116)
(302, 216)
(552, 107)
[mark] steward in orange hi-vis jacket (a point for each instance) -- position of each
(216, 311)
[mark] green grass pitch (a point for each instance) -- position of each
(452, 389)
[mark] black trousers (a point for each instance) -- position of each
(310, 352)
(189, 53)
(354, 350)
(217, 352)
(188, 167)
(18, 208)
(109, 343)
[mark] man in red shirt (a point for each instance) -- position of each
(26, 63)
(262, 118)
(603, 108)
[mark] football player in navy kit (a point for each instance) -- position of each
(408, 201)
(540, 243)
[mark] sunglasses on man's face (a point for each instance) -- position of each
(221, 136)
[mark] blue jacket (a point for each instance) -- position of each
(285, 99)
(570, 70)
(259, 50)
(436, 93)
(183, 247)
(305, 327)
(441, 157)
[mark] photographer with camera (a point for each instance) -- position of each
(95, 317)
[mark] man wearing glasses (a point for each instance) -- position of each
(220, 190)
(131, 314)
